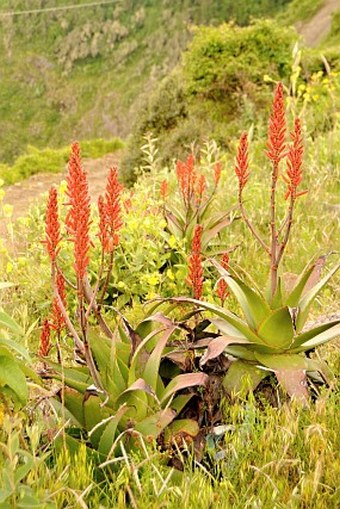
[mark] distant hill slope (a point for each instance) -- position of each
(316, 28)
(79, 73)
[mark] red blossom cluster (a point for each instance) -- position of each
(164, 190)
(57, 320)
(186, 176)
(78, 217)
(276, 143)
(109, 209)
(200, 190)
(217, 172)
(195, 277)
(222, 287)
(242, 164)
(45, 339)
(294, 162)
(52, 226)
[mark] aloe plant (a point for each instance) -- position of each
(272, 336)
(134, 396)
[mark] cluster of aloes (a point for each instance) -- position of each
(271, 337)
(193, 203)
(118, 385)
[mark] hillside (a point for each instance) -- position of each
(79, 73)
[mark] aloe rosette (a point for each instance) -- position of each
(272, 336)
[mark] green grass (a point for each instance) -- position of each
(53, 160)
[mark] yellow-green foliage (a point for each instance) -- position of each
(53, 160)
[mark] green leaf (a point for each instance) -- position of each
(282, 361)
(254, 306)
(13, 345)
(242, 375)
(183, 382)
(181, 429)
(179, 402)
(307, 300)
(153, 425)
(311, 268)
(277, 329)
(316, 337)
(94, 413)
(76, 378)
(234, 320)
(109, 434)
(73, 401)
(9, 323)
(12, 376)
(151, 371)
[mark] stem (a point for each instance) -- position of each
(107, 280)
(88, 294)
(250, 225)
(274, 238)
(95, 291)
(78, 342)
(288, 228)
(84, 327)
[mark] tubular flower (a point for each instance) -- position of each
(58, 322)
(217, 172)
(222, 287)
(164, 189)
(294, 162)
(276, 143)
(45, 339)
(186, 176)
(242, 164)
(110, 212)
(52, 226)
(195, 278)
(78, 217)
(200, 189)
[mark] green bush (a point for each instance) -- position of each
(221, 62)
(53, 160)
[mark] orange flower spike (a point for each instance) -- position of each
(200, 189)
(222, 287)
(164, 190)
(195, 277)
(52, 226)
(102, 234)
(242, 164)
(45, 339)
(58, 322)
(276, 143)
(78, 218)
(217, 172)
(113, 208)
(294, 162)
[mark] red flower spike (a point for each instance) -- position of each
(113, 209)
(222, 287)
(186, 176)
(164, 189)
(78, 217)
(200, 189)
(195, 277)
(242, 164)
(294, 162)
(217, 172)
(52, 226)
(276, 143)
(45, 339)
(58, 322)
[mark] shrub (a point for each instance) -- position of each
(222, 62)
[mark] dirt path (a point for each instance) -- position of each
(318, 27)
(25, 193)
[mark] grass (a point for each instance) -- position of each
(53, 160)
